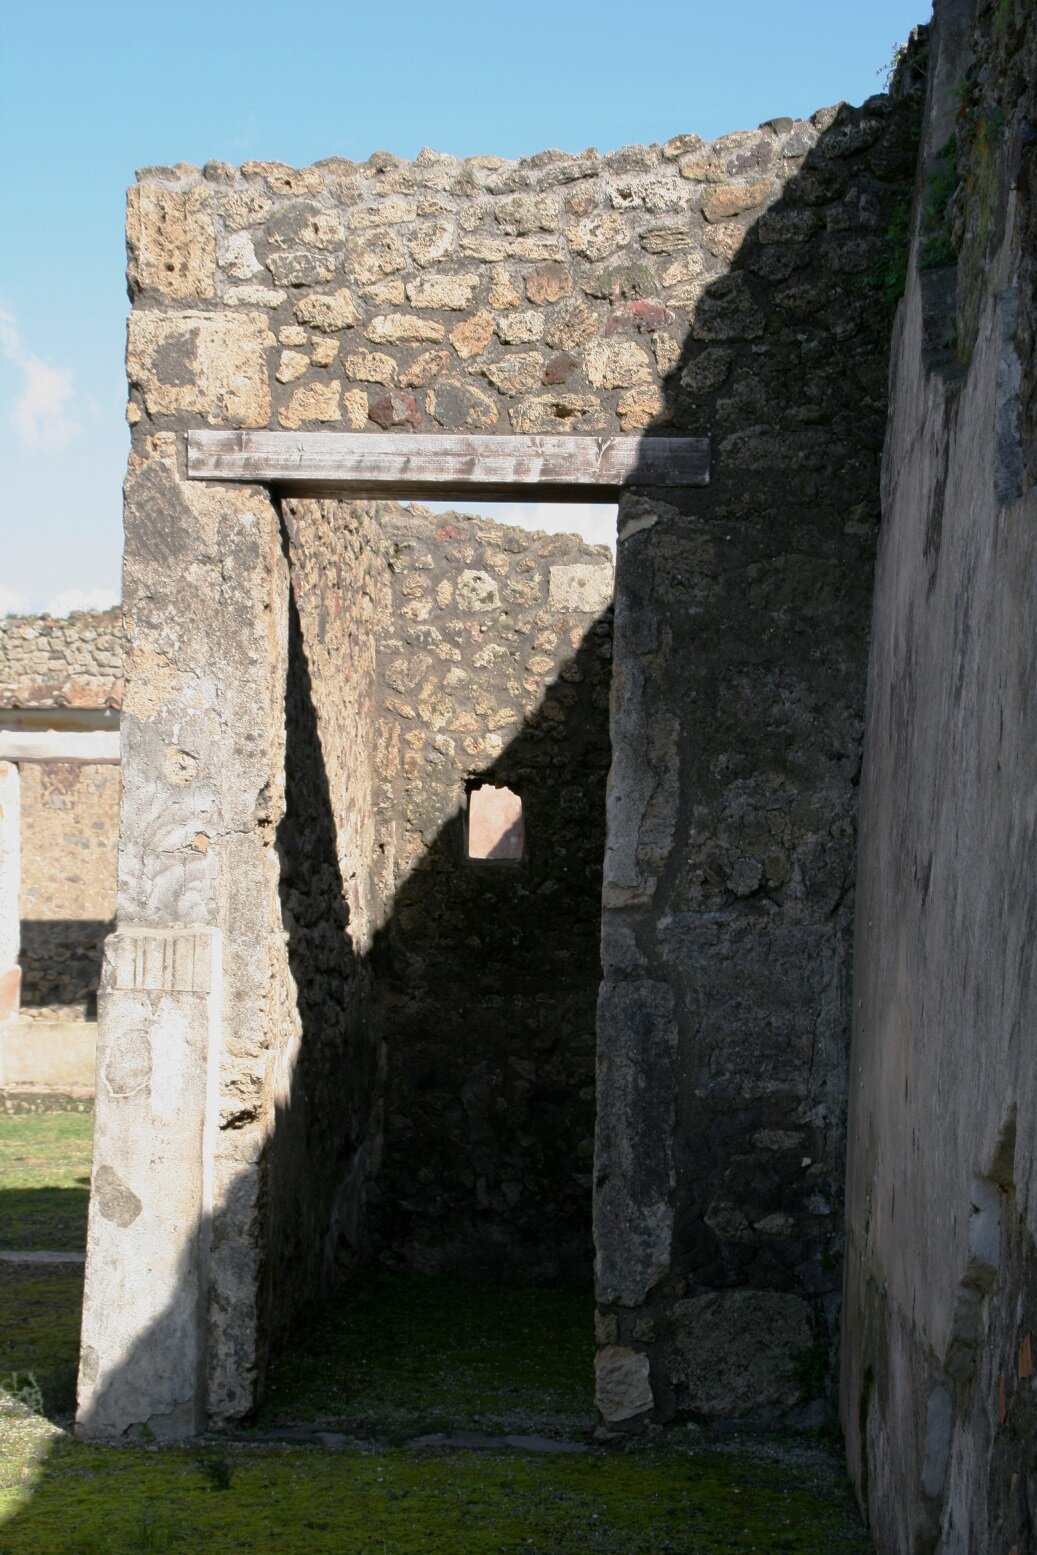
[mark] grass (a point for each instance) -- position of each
(44, 1180)
(39, 1330)
(396, 1356)
(297, 1501)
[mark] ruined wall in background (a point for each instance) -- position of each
(73, 661)
(939, 1395)
(495, 665)
(70, 833)
(63, 668)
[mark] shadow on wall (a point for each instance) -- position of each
(445, 1080)
(487, 975)
(741, 640)
(763, 587)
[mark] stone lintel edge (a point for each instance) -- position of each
(396, 464)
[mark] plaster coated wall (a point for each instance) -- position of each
(939, 1404)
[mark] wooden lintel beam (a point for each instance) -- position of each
(463, 466)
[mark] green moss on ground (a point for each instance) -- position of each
(390, 1358)
(44, 1180)
(396, 1355)
(298, 1501)
(39, 1330)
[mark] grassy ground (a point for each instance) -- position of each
(44, 1180)
(297, 1501)
(399, 1355)
(396, 1357)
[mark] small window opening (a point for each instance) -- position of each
(495, 828)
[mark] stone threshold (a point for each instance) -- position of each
(462, 1441)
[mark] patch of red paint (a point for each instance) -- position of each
(10, 992)
(637, 318)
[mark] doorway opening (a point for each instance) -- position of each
(457, 670)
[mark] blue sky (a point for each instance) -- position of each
(91, 91)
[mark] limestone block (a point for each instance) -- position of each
(516, 329)
(301, 267)
(617, 364)
(237, 257)
(735, 1352)
(142, 1357)
(377, 255)
(207, 364)
(432, 241)
(600, 235)
(503, 292)
(548, 283)
(523, 213)
(171, 242)
(453, 293)
(575, 323)
(314, 402)
(370, 367)
(394, 329)
(686, 267)
(730, 199)
(354, 409)
(725, 238)
(580, 586)
(425, 369)
(253, 297)
(640, 408)
(384, 213)
(477, 591)
(559, 413)
(292, 365)
(471, 337)
(329, 311)
(621, 1385)
(514, 374)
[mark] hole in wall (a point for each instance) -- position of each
(494, 829)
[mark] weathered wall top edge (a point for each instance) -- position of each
(542, 169)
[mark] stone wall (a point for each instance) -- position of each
(70, 827)
(736, 288)
(740, 652)
(939, 1400)
(64, 668)
(73, 661)
(495, 668)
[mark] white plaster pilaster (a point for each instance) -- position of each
(10, 883)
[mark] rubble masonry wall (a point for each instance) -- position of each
(735, 288)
